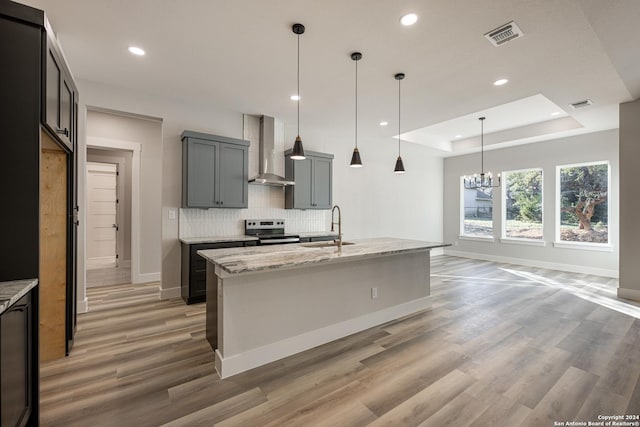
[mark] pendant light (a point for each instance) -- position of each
(356, 161)
(399, 165)
(298, 150)
(485, 181)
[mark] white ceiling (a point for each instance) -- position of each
(240, 55)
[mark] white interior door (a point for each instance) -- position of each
(102, 215)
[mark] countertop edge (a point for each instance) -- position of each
(16, 289)
(226, 272)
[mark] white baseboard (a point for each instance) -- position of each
(82, 306)
(633, 294)
(535, 263)
(170, 293)
(437, 252)
(228, 366)
(148, 277)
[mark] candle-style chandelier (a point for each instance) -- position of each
(484, 180)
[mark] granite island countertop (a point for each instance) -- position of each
(273, 257)
(11, 292)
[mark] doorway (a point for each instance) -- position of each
(108, 229)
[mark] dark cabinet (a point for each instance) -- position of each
(194, 268)
(17, 354)
(313, 177)
(60, 96)
(215, 171)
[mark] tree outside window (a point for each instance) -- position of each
(523, 204)
(477, 215)
(584, 207)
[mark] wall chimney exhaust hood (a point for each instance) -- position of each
(266, 158)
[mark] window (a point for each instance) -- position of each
(522, 211)
(477, 212)
(584, 207)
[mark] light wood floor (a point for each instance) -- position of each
(502, 345)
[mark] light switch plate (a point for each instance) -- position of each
(172, 214)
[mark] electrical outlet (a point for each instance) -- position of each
(374, 293)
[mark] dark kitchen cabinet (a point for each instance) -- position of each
(194, 268)
(18, 354)
(30, 144)
(60, 95)
(215, 171)
(313, 177)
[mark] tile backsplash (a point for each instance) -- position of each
(264, 202)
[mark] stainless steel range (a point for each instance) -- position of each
(269, 231)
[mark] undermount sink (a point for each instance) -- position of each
(324, 244)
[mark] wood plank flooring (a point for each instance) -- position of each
(502, 345)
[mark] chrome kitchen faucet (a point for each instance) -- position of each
(339, 239)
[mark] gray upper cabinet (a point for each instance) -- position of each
(313, 177)
(215, 171)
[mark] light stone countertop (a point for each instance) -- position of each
(11, 292)
(217, 239)
(273, 257)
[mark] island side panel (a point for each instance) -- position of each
(277, 313)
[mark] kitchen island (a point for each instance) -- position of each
(269, 302)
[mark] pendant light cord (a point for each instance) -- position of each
(482, 146)
(299, 97)
(398, 118)
(356, 103)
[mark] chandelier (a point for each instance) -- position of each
(484, 180)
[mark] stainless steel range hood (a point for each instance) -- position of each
(266, 159)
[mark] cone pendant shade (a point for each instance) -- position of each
(298, 150)
(356, 161)
(399, 165)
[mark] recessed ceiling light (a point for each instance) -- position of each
(458, 136)
(500, 82)
(409, 19)
(384, 123)
(295, 97)
(136, 50)
(555, 113)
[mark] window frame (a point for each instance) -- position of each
(503, 233)
(558, 243)
(461, 234)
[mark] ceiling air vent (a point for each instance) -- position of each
(581, 104)
(503, 34)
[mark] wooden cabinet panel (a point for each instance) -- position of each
(53, 252)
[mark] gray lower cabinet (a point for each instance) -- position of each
(194, 268)
(215, 171)
(327, 238)
(313, 177)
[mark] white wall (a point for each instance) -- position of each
(599, 146)
(148, 133)
(374, 201)
(629, 200)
